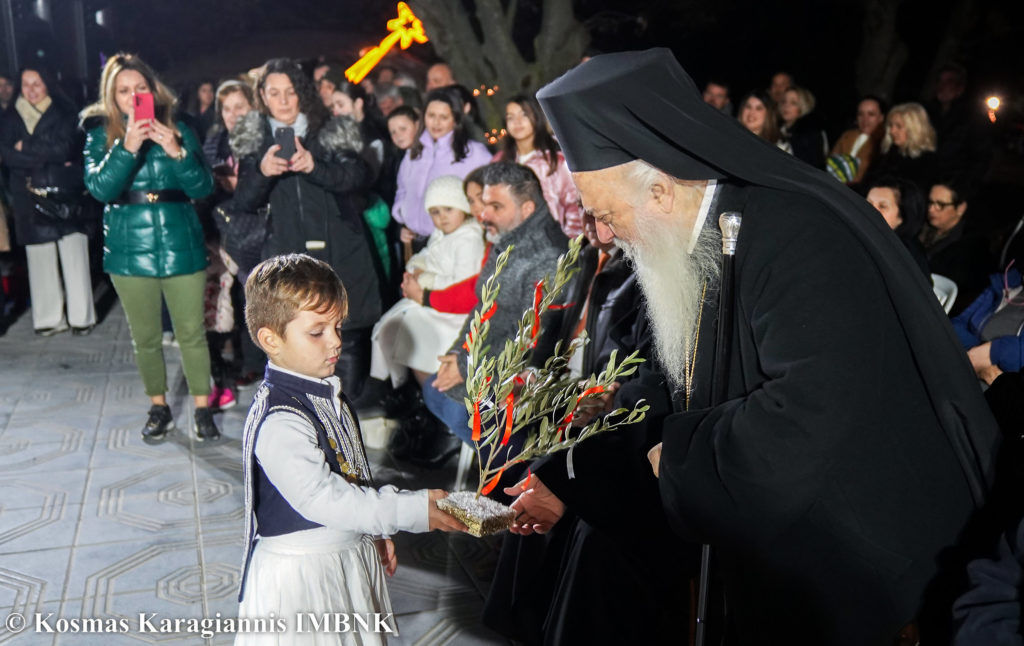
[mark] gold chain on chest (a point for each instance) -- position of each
(692, 358)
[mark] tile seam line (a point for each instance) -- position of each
(81, 510)
(200, 548)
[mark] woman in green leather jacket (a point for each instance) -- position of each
(147, 172)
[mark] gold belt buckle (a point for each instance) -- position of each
(152, 197)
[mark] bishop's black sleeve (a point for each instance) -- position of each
(757, 462)
(613, 487)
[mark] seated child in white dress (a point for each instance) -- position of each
(411, 335)
(311, 511)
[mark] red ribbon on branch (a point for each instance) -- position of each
(492, 483)
(476, 421)
(509, 404)
(489, 313)
(572, 413)
(538, 292)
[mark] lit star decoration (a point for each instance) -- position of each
(405, 30)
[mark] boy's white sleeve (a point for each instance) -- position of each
(287, 450)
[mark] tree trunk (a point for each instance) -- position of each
(882, 53)
(961, 18)
(489, 57)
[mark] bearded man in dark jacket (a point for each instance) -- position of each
(852, 446)
(515, 215)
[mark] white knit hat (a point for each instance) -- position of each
(446, 191)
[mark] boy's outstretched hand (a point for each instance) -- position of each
(439, 519)
(388, 558)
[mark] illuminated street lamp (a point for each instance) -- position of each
(993, 103)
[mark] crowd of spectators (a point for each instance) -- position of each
(365, 156)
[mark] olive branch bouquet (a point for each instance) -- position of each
(503, 404)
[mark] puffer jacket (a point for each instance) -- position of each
(414, 175)
(54, 142)
(317, 213)
(153, 240)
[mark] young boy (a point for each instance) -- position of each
(310, 510)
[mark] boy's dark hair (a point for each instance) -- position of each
(279, 287)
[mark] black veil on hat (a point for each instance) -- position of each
(616, 108)
(591, 110)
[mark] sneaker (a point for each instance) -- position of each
(52, 331)
(168, 339)
(206, 429)
(214, 399)
(226, 400)
(158, 425)
(83, 331)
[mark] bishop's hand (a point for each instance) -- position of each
(537, 508)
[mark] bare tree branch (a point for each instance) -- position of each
(882, 53)
(961, 19)
(492, 56)
(510, 15)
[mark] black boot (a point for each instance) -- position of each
(435, 454)
(206, 429)
(414, 434)
(158, 425)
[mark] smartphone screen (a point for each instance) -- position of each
(144, 106)
(285, 138)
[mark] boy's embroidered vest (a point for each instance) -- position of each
(267, 512)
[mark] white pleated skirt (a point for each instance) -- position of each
(314, 582)
(411, 336)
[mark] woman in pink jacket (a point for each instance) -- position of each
(529, 142)
(443, 148)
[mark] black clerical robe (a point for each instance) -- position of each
(824, 481)
(611, 571)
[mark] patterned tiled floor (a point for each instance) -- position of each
(96, 524)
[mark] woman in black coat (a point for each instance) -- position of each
(801, 127)
(40, 146)
(312, 197)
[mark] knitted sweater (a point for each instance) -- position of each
(538, 243)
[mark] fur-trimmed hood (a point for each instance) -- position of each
(339, 134)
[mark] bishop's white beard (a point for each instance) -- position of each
(673, 283)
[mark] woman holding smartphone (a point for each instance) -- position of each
(147, 168)
(306, 168)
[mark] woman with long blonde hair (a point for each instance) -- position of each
(908, 148)
(147, 171)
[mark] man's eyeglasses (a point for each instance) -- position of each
(941, 205)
